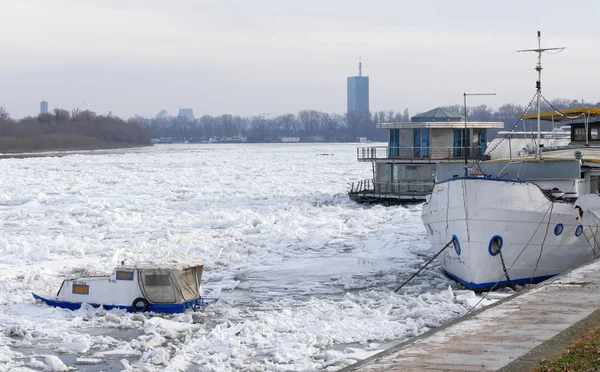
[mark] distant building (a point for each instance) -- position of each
(43, 107)
(358, 93)
(163, 114)
(187, 113)
(358, 115)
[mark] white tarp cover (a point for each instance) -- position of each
(170, 285)
(189, 284)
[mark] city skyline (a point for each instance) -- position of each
(139, 57)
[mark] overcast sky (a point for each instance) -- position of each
(277, 56)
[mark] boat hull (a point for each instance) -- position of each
(153, 307)
(537, 238)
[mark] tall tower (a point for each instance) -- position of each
(43, 107)
(358, 92)
(358, 103)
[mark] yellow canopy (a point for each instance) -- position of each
(565, 115)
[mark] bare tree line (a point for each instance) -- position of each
(259, 128)
(61, 129)
(77, 128)
(312, 124)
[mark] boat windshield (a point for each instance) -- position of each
(157, 286)
(171, 286)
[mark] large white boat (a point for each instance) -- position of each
(521, 220)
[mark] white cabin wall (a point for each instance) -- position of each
(441, 142)
(406, 143)
(103, 290)
(384, 175)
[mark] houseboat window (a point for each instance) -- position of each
(579, 134)
(595, 133)
(81, 289)
(425, 142)
(157, 280)
(457, 144)
(417, 143)
(421, 142)
(483, 140)
(394, 143)
(124, 275)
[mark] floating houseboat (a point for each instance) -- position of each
(140, 288)
(404, 170)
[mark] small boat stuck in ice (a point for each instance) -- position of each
(137, 288)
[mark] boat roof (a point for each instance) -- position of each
(565, 115)
(437, 114)
(442, 125)
(154, 266)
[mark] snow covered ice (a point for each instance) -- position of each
(306, 277)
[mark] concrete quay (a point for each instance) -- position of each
(514, 334)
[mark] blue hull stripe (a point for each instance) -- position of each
(504, 283)
(157, 308)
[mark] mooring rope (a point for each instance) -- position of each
(504, 267)
(543, 242)
(424, 266)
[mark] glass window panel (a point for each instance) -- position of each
(157, 280)
(425, 142)
(124, 275)
(417, 143)
(81, 289)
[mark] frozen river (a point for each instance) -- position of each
(306, 277)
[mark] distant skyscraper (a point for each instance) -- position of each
(187, 113)
(358, 93)
(358, 116)
(43, 107)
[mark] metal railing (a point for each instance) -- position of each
(392, 188)
(433, 153)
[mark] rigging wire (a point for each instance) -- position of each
(515, 125)
(588, 240)
(542, 246)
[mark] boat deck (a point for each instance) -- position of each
(514, 334)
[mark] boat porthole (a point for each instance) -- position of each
(558, 229)
(456, 244)
(579, 230)
(495, 245)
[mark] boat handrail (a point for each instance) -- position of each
(422, 152)
(369, 186)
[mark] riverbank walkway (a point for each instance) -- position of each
(514, 334)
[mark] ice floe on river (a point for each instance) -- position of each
(306, 276)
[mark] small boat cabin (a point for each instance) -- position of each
(569, 163)
(584, 123)
(404, 170)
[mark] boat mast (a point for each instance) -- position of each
(538, 86)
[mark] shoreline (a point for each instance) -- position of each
(63, 151)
